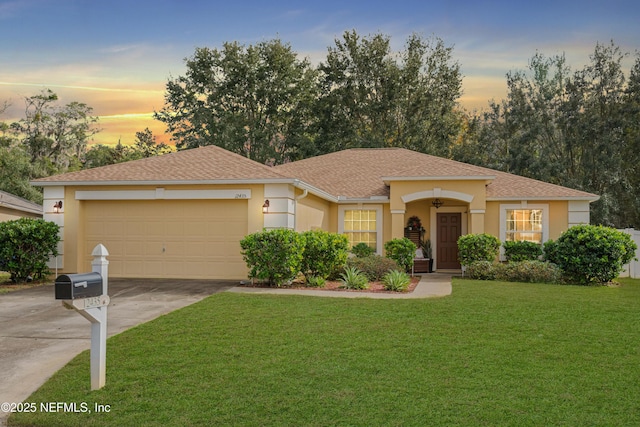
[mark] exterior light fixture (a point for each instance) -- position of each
(437, 203)
(57, 206)
(265, 207)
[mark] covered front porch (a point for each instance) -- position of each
(434, 219)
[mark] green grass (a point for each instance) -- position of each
(491, 354)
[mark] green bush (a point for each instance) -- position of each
(273, 255)
(549, 250)
(590, 254)
(352, 278)
(477, 247)
(402, 251)
(374, 266)
(481, 270)
(324, 252)
(26, 244)
(362, 250)
(528, 271)
(397, 281)
(522, 251)
(522, 271)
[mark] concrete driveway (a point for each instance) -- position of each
(38, 336)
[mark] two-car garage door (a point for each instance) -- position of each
(194, 239)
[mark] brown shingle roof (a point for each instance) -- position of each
(360, 173)
(354, 173)
(10, 201)
(208, 163)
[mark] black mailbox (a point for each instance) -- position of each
(75, 286)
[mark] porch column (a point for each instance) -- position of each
(477, 221)
(397, 223)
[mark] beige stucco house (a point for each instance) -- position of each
(14, 207)
(183, 214)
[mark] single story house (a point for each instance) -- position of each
(14, 207)
(182, 215)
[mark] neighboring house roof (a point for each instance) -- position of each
(204, 164)
(16, 203)
(362, 173)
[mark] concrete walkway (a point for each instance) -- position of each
(431, 285)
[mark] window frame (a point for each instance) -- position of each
(523, 206)
(363, 207)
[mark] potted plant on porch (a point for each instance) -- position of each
(428, 253)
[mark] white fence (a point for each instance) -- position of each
(633, 268)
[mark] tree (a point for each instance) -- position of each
(146, 145)
(16, 170)
(374, 98)
(574, 129)
(254, 101)
(54, 133)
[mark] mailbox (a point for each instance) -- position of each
(74, 286)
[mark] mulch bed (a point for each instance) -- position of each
(376, 287)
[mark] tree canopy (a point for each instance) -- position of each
(253, 100)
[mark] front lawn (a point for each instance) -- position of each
(493, 353)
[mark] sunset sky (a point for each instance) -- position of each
(116, 56)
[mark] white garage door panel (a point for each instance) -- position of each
(169, 238)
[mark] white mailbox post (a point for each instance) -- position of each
(92, 308)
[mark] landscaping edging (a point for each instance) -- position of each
(432, 285)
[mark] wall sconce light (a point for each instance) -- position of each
(265, 207)
(437, 203)
(57, 206)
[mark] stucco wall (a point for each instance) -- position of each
(12, 214)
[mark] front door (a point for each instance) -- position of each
(449, 230)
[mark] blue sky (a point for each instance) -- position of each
(116, 56)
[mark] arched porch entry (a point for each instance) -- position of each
(444, 222)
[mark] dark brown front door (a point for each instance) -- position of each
(449, 229)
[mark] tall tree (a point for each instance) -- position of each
(372, 97)
(146, 145)
(575, 129)
(58, 134)
(252, 100)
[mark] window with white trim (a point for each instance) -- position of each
(524, 223)
(361, 225)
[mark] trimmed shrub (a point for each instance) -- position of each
(362, 250)
(523, 271)
(397, 281)
(273, 255)
(402, 251)
(26, 244)
(550, 251)
(477, 247)
(352, 278)
(374, 266)
(324, 252)
(522, 251)
(590, 254)
(481, 270)
(528, 271)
